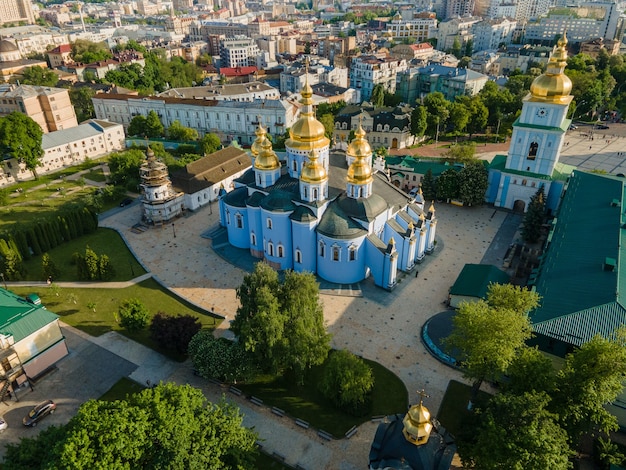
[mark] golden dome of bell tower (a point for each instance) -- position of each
(313, 171)
(360, 170)
(261, 137)
(553, 86)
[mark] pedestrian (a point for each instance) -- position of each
(417, 272)
(49, 281)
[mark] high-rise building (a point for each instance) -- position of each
(16, 11)
(459, 8)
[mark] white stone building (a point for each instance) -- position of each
(367, 71)
(489, 34)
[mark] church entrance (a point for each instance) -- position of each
(519, 206)
(394, 143)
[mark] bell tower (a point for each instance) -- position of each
(539, 132)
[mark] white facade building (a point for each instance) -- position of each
(367, 71)
(240, 51)
(244, 92)
(489, 34)
(419, 29)
(230, 120)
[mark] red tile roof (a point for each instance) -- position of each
(237, 71)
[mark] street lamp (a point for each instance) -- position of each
(174, 229)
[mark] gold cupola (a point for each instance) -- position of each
(313, 171)
(359, 145)
(267, 159)
(553, 86)
(360, 170)
(417, 423)
(261, 137)
(307, 132)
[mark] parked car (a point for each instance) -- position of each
(602, 126)
(573, 127)
(126, 202)
(39, 412)
(3, 424)
(414, 192)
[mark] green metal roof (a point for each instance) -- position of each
(335, 223)
(20, 318)
(580, 297)
(562, 128)
(474, 280)
(417, 165)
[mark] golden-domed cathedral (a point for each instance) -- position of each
(536, 143)
(330, 214)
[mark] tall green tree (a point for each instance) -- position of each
(154, 127)
(39, 76)
(210, 143)
(378, 96)
(530, 371)
(138, 126)
(486, 338)
(282, 324)
(179, 132)
(473, 182)
(534, 217)
(593, 376)
(20, 138)
(328, 120)
(456, 48)
(428, 186)
(459, 116)
(88, 52)
(168, 426)
(517, 432)
(438, 112)
(419, 121)
(448, 184)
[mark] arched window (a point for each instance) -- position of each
(524, 182)
(239, 220)
(294, 165)
(253, 239)
(379, 127)
(352, 253)
(306, 192)
(281, 251)
(321, 249)
(270, 249)
(314, 193)
(227, 216)
(298, 256)
(532, 151)
(336, 253)
(269, 223)
(258, 180)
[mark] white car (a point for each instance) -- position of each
(3, 424)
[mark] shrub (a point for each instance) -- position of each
(219, 358)
(134, 315)
(174, 332)
(48, 267)
(347, 382)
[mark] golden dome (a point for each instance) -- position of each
(432, 207)
(417, 424)
(359, 147)
(553, 86)
(307, 132)
(360, 172)
(267, 159)
(313, 171)
(261, 137)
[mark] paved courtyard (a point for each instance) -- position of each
(379, 325)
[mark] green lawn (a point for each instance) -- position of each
(121, 388)
(107, 302)
(306, 402)
(95, 175)
(453, 413)
(104, 242)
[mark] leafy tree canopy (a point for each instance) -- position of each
(88, 52)
(39, 76)
(168, 426)
(20, 138)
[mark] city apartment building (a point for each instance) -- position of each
(293, 78)
(459, 8)
(367, 71)
(331, 46)
(240, 51)
(415, 83)
(418, 30)
(492, 9)
(230, 120)
(60, 55)
(16, 11)
(100, 69)
(49, 107)
(409, 52)
(202, 30)
(455, 28)
(582, 22)
(490, 34)
(527, 10)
